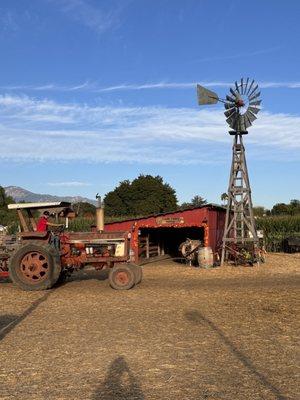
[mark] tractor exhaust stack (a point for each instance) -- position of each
(99, 214)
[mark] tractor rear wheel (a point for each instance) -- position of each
(138, 273)
(121, 277)
(35, 266)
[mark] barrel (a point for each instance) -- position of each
(205, 257)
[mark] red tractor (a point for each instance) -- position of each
(38, 260)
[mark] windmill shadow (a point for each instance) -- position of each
(119, 383)
(195, 317)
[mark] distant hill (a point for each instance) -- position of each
(19, 194)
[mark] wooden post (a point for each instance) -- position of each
(23, 221)
(162, 248)
(147, 247)
(32, 220)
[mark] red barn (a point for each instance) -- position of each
(162, 233)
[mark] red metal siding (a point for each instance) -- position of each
(210, 218)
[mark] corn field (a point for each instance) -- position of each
(277, 229)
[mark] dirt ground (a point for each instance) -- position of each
(183, 333)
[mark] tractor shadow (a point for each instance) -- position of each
(7, 320)
(119, 383)
(195, 317)
(87, 274)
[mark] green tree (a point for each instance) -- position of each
(294, 207)
(224, 197)
(280, 209)
(197, 201)
(7, 217)
(144, 195)
(84, 209)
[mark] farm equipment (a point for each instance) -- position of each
(38, 260)
(196, 254)
(189, 250)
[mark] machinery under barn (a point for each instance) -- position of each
(162, 234)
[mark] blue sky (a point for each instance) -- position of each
(94, 92)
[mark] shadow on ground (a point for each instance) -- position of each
(196, 317)
(9, 322)
(88, 274)
(119, 383)
(6, 320)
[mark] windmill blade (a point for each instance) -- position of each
(206, 96)
(250, 87)
(230, 121)
(255, 103)
(247, 121)
(252, 91)
(237, 87)
(245, 89)
(235, 124)
(229, 105)
(232, 92)
(254, 96)
(230, 112)
(243, 125)
(251, 116)
(253, 110)
(230, 99)
(242, 86)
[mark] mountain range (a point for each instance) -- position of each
(19, 194)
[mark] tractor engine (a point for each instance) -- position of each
(77, 250)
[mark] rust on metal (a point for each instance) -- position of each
(34, 266)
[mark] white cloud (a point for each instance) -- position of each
(187, 85)
(93, 17)
(44, 130)
(94, 87)
(69, 184)
(8, 22)
(239, 55)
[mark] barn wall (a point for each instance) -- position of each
(211, 219)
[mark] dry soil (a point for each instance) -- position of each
(183, 333)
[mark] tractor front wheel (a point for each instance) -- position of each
(121, 277)
(138, 273)
(34, 267)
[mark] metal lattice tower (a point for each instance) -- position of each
(239, 231)
(242, 105)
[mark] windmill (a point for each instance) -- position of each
(242, 104)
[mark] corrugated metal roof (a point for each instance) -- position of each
(209, 205)
(39, 205)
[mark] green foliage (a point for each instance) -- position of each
(84, 209)
(7, 217)
(13, 228)
(224, 197)
(197, 201)
(143, 196)
(259, 211)
(293, 208)
(81, 224)
(277, 228)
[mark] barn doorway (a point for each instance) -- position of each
(154, 242)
